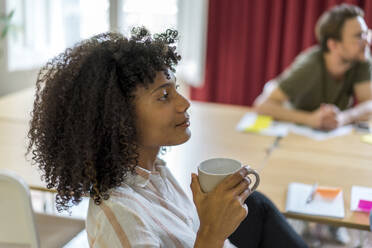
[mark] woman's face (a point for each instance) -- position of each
(162, 119)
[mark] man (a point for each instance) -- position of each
(322, 80)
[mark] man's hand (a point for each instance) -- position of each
(361, 112)
(326, 117)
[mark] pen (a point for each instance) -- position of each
(268, 151)
(274, 145)
(310, 198)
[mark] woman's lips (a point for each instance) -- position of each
(185, 123)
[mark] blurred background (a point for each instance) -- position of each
(229, 48)
(34, 31)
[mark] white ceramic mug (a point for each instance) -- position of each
(212, 171)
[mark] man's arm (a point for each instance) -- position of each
(362, 111)
(272, 104)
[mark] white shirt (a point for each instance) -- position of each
(149, 210)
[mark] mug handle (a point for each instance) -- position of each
(257, 177)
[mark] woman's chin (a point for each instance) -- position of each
(182, 139)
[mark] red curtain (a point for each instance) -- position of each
(251, 41)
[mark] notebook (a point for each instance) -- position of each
(359, 193)
(296, 202)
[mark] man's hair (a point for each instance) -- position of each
(331, 22)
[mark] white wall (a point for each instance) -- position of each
(12, 81)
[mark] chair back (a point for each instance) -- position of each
(17, 226)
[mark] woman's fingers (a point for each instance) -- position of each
(242, 186)
(233, 180)
(195, 187)
(223, 207)
(244, 195)
(245, 210)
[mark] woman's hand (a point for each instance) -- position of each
(221, 210)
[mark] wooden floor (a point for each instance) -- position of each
(317, 235)
(356, 237)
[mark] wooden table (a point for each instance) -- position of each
(14, 116)
(349, 145)
(8, 245)
(16, 107)
(342, 161)
(13, 145)
(213, 135)
(310, 166)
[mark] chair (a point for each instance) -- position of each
(20, 226)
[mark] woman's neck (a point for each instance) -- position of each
(147, 157)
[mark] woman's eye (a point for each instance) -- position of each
(164, 96)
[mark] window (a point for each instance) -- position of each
(157, 15)
(45, 28)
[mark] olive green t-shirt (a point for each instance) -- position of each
(308, 84)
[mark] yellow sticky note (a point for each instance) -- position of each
(262, 122)
(367, 138)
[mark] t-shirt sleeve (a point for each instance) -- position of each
(362, 73)
(119, 226)
(296, 79)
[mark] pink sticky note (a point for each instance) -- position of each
(365, 206)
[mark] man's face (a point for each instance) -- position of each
(355, 40)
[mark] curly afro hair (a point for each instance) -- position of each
(82, 133)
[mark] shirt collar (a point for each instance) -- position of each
(141, 176)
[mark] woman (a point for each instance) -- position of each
(102, 112)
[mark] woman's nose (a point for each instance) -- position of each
(183, 104)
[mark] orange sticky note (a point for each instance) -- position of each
(328, 192)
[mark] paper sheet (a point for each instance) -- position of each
(359, 193)
(252, 122)
(318, 134)
(296, 202)
(367, 138)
